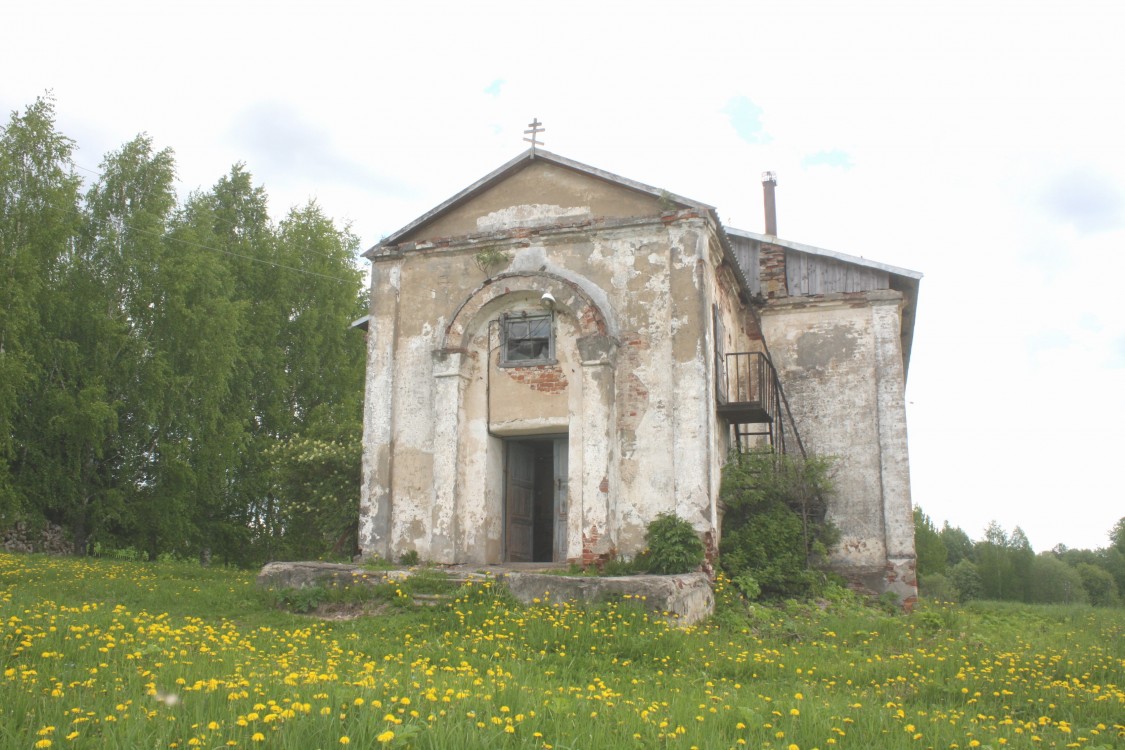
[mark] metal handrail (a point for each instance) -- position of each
(750, 378)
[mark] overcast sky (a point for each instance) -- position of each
(977, 142)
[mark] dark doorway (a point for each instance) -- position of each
(535, 499)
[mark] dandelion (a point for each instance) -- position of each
(345, 740)
(385, 737)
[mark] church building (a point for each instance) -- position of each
(557, 354)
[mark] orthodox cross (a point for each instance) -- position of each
(534, 129)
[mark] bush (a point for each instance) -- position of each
(937, 587)
(966, 581)
(673, 546)
(1099, 584)
(1055, 582)
(747, 586)
(774, 525)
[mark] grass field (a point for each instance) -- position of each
(114, 654)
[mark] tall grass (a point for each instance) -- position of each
(117, 654)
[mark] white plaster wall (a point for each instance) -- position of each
(378, 413)
(840, 361)
(825, 356)
(641, 418)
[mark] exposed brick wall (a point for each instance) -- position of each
(592, 320)
(590, 557)
(542, 378)
(772, 261)
(632, 393)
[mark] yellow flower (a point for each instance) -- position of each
(345, 740)
(258, 737)
(386, 736)
(43, 743)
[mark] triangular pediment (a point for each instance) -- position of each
(537, 189)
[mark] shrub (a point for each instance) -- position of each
(774, 526)
(747, 586)
(673, 546)
(966, 581)
(1055, 582)
(1099, 584)
(937, 587)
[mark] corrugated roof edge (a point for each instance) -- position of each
(811, 250)
(519, 162)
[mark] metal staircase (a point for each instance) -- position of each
(749, 396)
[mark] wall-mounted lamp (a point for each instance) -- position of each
(547, 300)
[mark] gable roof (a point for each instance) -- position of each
(515, 165)
(905, 280)
(857, 260)
(901, 279)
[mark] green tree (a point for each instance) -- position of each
(1117, 535)
(995, 565)
(113, 382)
(928, 545)
(958, 545)
(1055, 582)
(1099, 584)
(1022, 559)
(315, 461)
(173, 378)
(1114, 561)
(38, 223)
(966, 581)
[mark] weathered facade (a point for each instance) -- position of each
(556, 355)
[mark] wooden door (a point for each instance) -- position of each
(519, 505)
(561, 497)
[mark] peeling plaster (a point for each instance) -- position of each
(529, 215)
(634, 391)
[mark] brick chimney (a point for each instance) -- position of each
(769, 182)
(771, 258)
